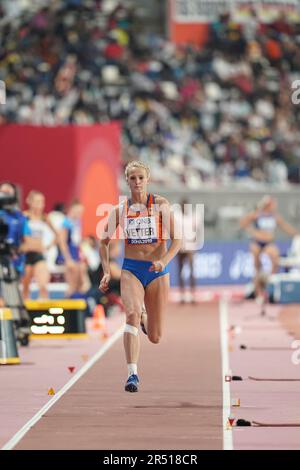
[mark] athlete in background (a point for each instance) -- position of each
(261, 224)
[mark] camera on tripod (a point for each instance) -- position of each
(9, 278)
(4, 227)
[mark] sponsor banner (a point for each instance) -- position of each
(220, 263)
(205, 11)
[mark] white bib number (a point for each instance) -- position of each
(141, 229)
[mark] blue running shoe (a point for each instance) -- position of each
(132, 383)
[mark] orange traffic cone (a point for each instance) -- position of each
(8, 345)
(99, 322)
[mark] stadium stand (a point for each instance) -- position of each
(197, 117)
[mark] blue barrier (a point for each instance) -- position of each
(221, 263)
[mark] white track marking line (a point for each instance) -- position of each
(227, 433)
(21, 433)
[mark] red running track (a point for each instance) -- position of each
(268, 356)
(179, 405)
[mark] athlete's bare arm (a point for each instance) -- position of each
(247, 221)
(107, 234)
(286, 227)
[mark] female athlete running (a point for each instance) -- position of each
(261, 225)
(146, 221)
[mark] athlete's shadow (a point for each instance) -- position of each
(182, 405)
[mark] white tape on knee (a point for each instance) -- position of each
(131, 329)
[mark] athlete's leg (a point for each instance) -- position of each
(156, 298)
(84, 282)
(72, 276)
(273, 252)
(132, 293)
(26, 280)
(42, 277)
(192, 274)
(256, 251)
(144, 319)
(181, 256)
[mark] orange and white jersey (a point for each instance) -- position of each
(142, 227)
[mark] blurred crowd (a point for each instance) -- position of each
(217, 115)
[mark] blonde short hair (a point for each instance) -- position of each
(265, 201)
(136, 164)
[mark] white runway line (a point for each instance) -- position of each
(21, 433)
(227, 433)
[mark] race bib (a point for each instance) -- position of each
(141, 230)
(267, 223)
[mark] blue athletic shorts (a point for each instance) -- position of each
(261, 244)
(140, 269)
